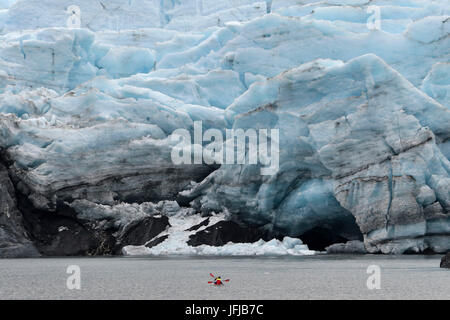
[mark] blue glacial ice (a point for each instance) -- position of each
(87, 114)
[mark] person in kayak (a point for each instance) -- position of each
(218, 280)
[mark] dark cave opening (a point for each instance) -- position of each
(319, 238)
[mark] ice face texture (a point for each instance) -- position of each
(87, 114)
(354, 138)
(13, 237)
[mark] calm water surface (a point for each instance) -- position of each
(316, 277)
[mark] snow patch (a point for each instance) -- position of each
(176, 243)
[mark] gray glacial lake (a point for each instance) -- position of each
(306, 277)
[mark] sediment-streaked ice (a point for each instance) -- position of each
(176, 243)
(87, 114)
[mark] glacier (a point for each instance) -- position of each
(178, 234)
(87, 116)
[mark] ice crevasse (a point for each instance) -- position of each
(87, 116)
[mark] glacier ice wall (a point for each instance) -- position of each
(354, 137)
(87, 114)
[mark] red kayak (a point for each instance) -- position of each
(217, 280)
